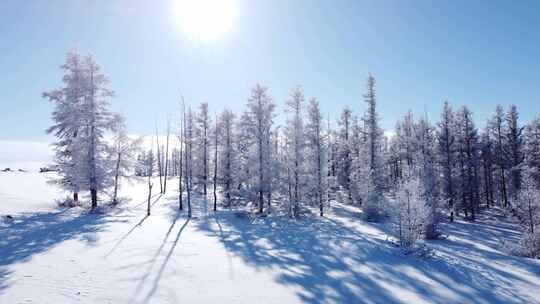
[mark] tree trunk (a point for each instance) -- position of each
(503, 188)
(149, 197)
(166, 159)
(159, 162)
(93, 195)
(116, 175)
(215, 165)
(180, 173)
(261, 177)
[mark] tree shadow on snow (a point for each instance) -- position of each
(329, 261)
(30, 234)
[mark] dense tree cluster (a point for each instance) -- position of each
(423, 173)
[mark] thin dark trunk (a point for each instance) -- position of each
(503, 188)
(149, 205)
(93, 178)
(166, 159)
(261, 177)
(116, 176)
(215, 165)
(319, 174)
(180, 173)
(159, 162)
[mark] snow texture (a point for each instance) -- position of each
(51, 255)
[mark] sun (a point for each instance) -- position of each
(205, 19)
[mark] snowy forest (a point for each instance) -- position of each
(269, 151)
(413, 178)
(272, 152)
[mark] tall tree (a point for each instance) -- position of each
(296, 144)
(467, 135)
(514, 150)
(202, 130)
(427, 176)
(532, 150)
(317, 152)
(181, 143)
(188, 155)
(372, 207)
(96, 120)
(67, 124)
(487, 165)
(215, 175)
(159, 158)
(166, 156)
(446, 147)
(228, 164)
(343, 147)
(498, 132)
(257, 122)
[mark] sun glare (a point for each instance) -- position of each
(205, 19)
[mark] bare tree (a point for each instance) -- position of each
(215, 162)
(166, 156)
(159, 161)
(188, 154)
(180, 159)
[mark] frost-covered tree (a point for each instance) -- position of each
(139, 166)
(316, 152)
(96, 120)
(428, 176)
(189, 139)
(67, 124)
(122, 153)
(150, 163)
(532, 150)
(409, 213)
(228, 165)
(295, 137)
(202, 146)
(514, 150)
(81, 119)
(487, 165)
(372, 206)
(405, 138)
(527, 209)
(446, 148)
(215, 162)
(499, 146)
(359, 162)
(467, 147)
(360, 172)
(181, 163)
(257, 122)
(343, 156)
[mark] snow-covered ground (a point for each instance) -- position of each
(52, 255)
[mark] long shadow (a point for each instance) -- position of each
(155, 283)
(305, 252)
(155, 197)
(125, 236)
(329, 261)
(128, 233)
(30, 234)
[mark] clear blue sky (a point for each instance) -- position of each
(478, 53)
